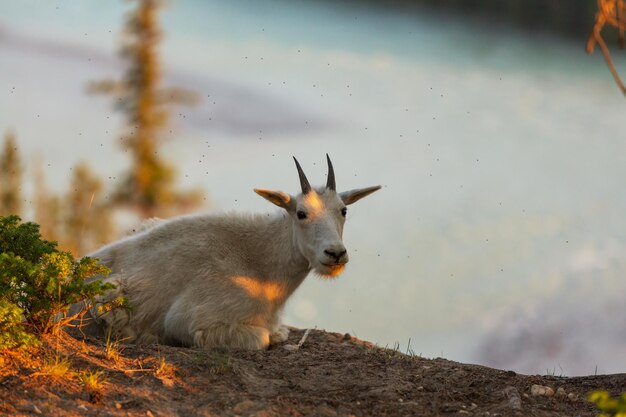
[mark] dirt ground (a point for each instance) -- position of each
(331, 374)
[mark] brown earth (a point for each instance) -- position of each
(331, 374)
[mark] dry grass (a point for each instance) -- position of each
(93, 380)
(164, 369)
(165, 372)
(55, 367)
(113, 350)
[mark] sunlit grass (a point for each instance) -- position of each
(113, 349)
(164, 369)
(93, 380)
(55, 367)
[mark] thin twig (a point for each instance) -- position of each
(306, 334)
(611, 12)
(620, 18)
(609, 63)
(293, 348)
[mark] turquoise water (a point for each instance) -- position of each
(499, 236)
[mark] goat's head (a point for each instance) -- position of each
(318, 215)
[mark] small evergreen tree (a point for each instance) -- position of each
(88, 221)
(47, 206)
(81, 219)
(149, 186)
(10, 177)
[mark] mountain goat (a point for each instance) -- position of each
(223, 279)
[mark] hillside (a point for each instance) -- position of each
(331, 374)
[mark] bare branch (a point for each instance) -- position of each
(107, 87)
(610, 12)
(177, 95)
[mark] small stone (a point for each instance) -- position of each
(291, 348)
(36, 409)
(118, 406)
(537, 390)
(243, 406)
(571, 396)
(149, 413)
(541, 390)
(560, 392)
(513, 397)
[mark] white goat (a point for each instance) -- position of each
(222, 280)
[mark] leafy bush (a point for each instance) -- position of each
(23, 240)
(608, 405)
(12, 332)
(42, 281)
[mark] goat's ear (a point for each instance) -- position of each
(279, 198)
(352, 196)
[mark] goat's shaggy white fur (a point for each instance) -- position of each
(205, 280)
(223, 279)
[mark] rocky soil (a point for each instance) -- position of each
(330, 374)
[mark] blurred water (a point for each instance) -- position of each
(499, 236)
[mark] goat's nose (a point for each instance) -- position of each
(336, 253)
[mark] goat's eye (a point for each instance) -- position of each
(301, 215)
(344, 211)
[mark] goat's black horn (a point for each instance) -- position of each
(304, 183)
(330, 182)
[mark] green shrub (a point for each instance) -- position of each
(12, 332)
(608, 405)
(23, 239)
(41, 280)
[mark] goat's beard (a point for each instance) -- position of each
(329, 271)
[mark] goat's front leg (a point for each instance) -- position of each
(230, 335)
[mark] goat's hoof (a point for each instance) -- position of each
(280, 335)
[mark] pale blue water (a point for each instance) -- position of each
(499, 236)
